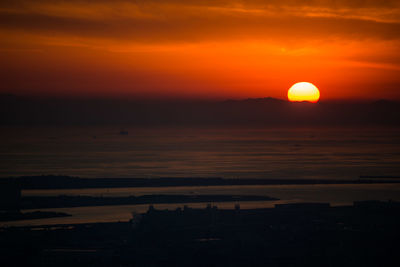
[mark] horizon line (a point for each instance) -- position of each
(185, 99)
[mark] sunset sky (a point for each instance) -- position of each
(200, 49)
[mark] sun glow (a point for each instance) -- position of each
(303, 91)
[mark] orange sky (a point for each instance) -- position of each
(200, 49)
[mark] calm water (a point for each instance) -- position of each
(188, 152)
(340, 153)
(335, 194)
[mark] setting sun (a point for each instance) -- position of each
(303, 91)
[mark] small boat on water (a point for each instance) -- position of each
(123, 132)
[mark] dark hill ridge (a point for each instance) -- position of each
(262, 101)
(267, 111)
(67, 182)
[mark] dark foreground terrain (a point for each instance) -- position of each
(365, 234)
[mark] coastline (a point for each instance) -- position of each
(67, 182)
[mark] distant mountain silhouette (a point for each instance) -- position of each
(254, 111)
(265, 100)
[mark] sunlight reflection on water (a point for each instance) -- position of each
(194, 152)
(337, 153)
(334, 194)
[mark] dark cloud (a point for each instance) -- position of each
(326, 3)
(174, 21)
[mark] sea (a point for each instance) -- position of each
(320, 153)
(343, 153)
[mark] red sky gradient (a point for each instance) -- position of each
(200, 49)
